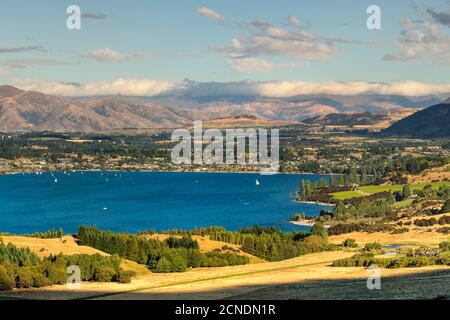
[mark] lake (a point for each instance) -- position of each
(137, 201)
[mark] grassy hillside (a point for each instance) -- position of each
(368, 190)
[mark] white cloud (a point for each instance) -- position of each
(421, 39)
(131, 87)
(281, 89)
(209, 13)
(294, 22)
(407, 88)
(252, 65)
(266, 39)
(110, 55)
(275, 89)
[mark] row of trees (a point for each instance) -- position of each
(270, 243)
(50, 234)
(172, 255)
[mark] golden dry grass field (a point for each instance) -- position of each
(65, 245)
(45, 247)
(411, 238)
(293, 278)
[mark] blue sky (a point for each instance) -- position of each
(168, 41)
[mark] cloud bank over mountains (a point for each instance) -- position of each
(270, 89)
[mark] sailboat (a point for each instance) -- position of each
(257, 182)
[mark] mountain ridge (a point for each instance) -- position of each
(35, 111)
(432, 122)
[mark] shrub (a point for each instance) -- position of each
(104, 274)
(40, 280)
(25, 278)
(319, 230)
(6, 280)
(300, 235)
(296, 217)
(218, 259)
(401, 262)
(179, 263)
(228, 248)
(125, 276)
(444, 230)
(374, 246)
(163, 266)
(54, 268)
(444, 258)
(444, 220)
(315, 243)
(444, 246)
(400, 230)
(350, 243)
(406, 192)
(212, 262)
(446, 207)
(355, 261)
(421, 261)
(195, 258)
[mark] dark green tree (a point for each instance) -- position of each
(406, 192)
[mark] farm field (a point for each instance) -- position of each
(371, 189)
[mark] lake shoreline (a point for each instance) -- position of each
(306, 223)
(168, 171)
(324, 204)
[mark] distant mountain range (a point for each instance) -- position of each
(433, 122)
(35, 111)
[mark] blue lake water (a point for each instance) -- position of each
(137, 201)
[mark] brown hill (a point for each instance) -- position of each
(9, 91)
(432, 122)
(34, 111)
(374, 121)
